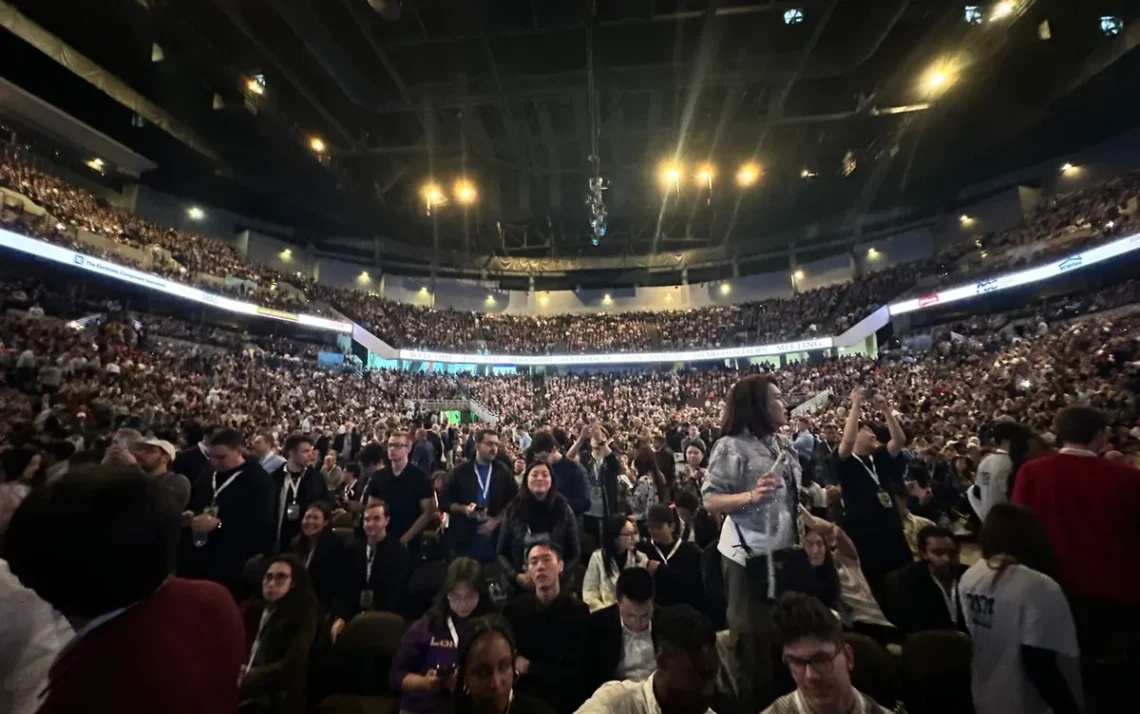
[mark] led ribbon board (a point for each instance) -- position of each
(1023, 277)
(115, 271)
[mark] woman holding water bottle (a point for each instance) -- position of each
(753, 481)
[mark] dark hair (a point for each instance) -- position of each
(294, 440)
(881, 432)
(324, 507)
(747, 407)
(542, 442)
(371, 455)
(928, 532)
(482, 434)
(636, 584)
(460, 570)
(294, 611)
(799, 616)
(1079, 425)
(1017, 532)
(686, 499)
(661, 514)
(229, 438)
(825, 584)
(474, 630)
(130, 520)
(266, 436)
(645, 462)
(524, 500)
(681, 628)
(611, 529)
(549, 545)
(14, 461)
(378, 503)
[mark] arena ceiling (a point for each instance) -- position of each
(833, 100)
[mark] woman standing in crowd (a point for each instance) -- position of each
(322, 552)
(649, 488)
(692, 473)
(20, 468)
(485, 678)
(537, 513)
(282, 623)
(423, 670)
(1026, 655)
(594, 452)
(618, 552)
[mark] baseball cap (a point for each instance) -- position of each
(158, 443)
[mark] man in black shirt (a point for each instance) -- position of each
(377, 572)
(230, 514)
(298, 485)
(477, 493)
(867, 471)
(407, 491)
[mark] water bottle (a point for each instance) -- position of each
(200, 539)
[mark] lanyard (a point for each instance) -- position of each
(951, 599)
(291, 485)
(871, 470)
(484, 483)
(369, 552)
(257, 638)
(454, 632)
(803, 708)
(309, 557)
(218, 489)
(665, 558)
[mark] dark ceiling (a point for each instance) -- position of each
(498, 91)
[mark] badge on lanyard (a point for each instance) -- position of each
(211, 510)
(292, 511)
(365, 599)
(885, 499)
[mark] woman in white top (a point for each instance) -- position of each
(1026, 656)
(617, 552)
(649, 489)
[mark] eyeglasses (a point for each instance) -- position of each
(397, 446)
(277, 577)
(627, 534)
(821, 663)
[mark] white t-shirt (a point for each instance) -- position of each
(1023, 607)
(993, 483)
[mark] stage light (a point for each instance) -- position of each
(939, 77)
(95, 164)
(423, 290)
(317, 144)
(255, 87)
(195, 214)
(465, 192)
(706, 173)
(363, 277)
(748, 174)
(670, 176)
(607, 300)
(432, 195)
(1002, 10)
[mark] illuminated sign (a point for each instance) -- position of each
(115, 271)
(819, 343)
(1023, 277)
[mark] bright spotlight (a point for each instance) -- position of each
(670, 176)
(363, 277)
(1002, 10)
(255, 87)
(195, 214)
(286, 254)
(317, 144)
(872, 253)
(706, 173)
(807, 174)
(543, 299)
(606, 299)
(799, 274)
(95, 164)
(748, 174)
(794, 16)
(725, 288)
(1069, 169)
(1111, 25)
(433, 195)
(939, 77)
(465, 192)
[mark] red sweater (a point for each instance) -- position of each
(1091, 511)
(179, 651)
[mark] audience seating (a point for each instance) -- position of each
(875, 672)
(936, 668)
(359, 664)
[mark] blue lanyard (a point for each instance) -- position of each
(484, 482)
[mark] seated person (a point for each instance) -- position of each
(281, 623)
(674, 563)
(819, 660)
(924, 595)
(485, 679)
(618, 552)
(538, 512)
(697, 526)
(377, 572)
(687, 663)
(322, 552)
(423, 670)
(621, 634)
(552, 628)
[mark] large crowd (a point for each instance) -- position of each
(1065, 223)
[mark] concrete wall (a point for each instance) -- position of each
(901, 248)
(166, 210)
(820, 273)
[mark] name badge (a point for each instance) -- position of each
(885, 499)
(365, 599)
(292, 512)
(211, 511)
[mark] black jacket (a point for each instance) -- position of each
(518, 533)
(915, 602)
(607, 476)
(284, 653)
(554, 639)
(667, 464)
(570, 481)
(248, 525)
(310, 488)
(606, 646)
(327, 567)
(338, 443)
(463, 487)
(705, 527)
(190, 462)
(677, 580)
(390, 571)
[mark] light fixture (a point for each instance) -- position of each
(432, 195)
(872, 253)
(95, 164)
(423, 290)
(725, 288)
(286, 254)
(670, 176)
(363, 277)
(794, 16)
(1002, 10)
(490, 300)
(195, 214)
(254, 87)
(668, 297)
(465, 192)
(748, 174)
(317, 144)
(807, 174)
(799, 274)
(1111, 25)
(1069, 169)
(973, 15)
(706, 173)
(939, 77)
(543, 299)
(606, 299)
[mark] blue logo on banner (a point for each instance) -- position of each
(1073, 261)
(986, 286)
(78, 259)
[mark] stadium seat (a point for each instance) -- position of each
(874, 672)
(359, 665)
(936, 668)
(343, 520)
(425, 582)
(345, 534)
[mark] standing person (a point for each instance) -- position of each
(552, 628)
(924, 595)
(377, 573)
(666, 461)
(423, 454)
(594, 451)
(476, 495)
(819, 660)
(993, 484)
(867, 471)
(569, 476)
(154, 457)
(686, 665)
(1026, 657)
(297, 485)
(697, 526)
(753, 480)
(650, 488)
(1090, 507)
(238, 494)
(423, 670)
(537, 514)
(486, 679)
(280, 624)
(692, 472)
(194, 459)
(407, 492)
(824, 457)
(264, 448)
(618, 552)
(371, 460)
(694, 439)
(130, 614)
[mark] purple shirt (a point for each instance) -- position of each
(424, 647)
